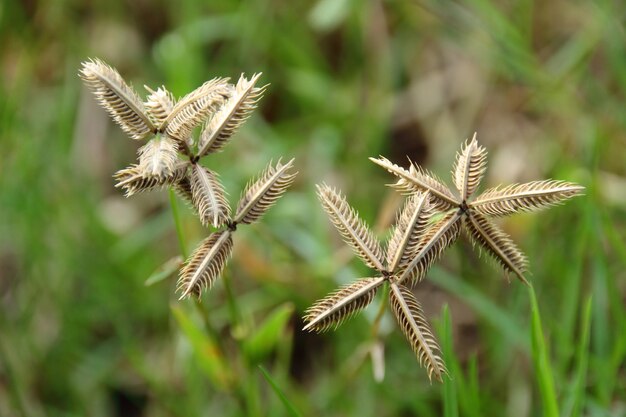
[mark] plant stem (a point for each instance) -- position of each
(233, 308)
(177, 223)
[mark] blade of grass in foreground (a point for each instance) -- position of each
(450, 402)
(267, 336)
(210, 358)
(576, 399)
(496, 316)
(543, 370)
(279, 393)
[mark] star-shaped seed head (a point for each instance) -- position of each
(409, 253)
(172, 154)
(430, 222)
(473, 213)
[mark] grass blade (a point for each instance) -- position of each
(164, 271)
(269, 334)
(279, 393)
(577, 396)
(210, 358)
(450, 401)
(491, 313)
(541, 360)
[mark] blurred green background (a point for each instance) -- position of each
(543, 84)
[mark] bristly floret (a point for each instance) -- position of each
(353, 230)
(231, 115)
(159, 105)
(263, 193)
(118, 98)
(470, 166)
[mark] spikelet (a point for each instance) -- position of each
(531, 196)
(261, 194)
(497, 244)
(339, 306)
(158, 157)
(195, 107)
(208, 197)
(205, 264)
(410, 226)
(353, 230)
(118, 98)
(232, 114)
(469, 168)
(431, 246)
(159, 104)
(417, 179)
(411, 320)
(135, 180)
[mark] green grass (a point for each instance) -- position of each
(543, 83)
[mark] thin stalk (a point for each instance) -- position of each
(450, 394)
(233, 308)
(177, 223)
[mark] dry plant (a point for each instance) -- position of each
(430, 222)
(172, 154)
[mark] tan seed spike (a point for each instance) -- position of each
(205, 264)
(410, 226)
(411, 320)
(531, 196)
(159, 156)
(431, 246)
(497, 244)
(261, 194)
(159, 104)
(118, 98)
(231, 115)
(470, 166)
(135, 179)
(209, 197)
(337, 307)
(353, 230)
(419, 180)
(195, 107)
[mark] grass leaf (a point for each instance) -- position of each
(541, 360)
(279, 393)
(269, 334)
(210, 359)
(450, 401)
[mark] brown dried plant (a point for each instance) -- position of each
(405, 255)
(172, 154)
(430, 221)
(473, 214)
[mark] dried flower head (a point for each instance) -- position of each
(172, 154)
(406, 254)
(430, 222)
(472, 214)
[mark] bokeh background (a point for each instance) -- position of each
(81, 334)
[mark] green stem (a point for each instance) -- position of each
(233, 308)
(177, 223)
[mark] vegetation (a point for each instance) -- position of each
(543, 84)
